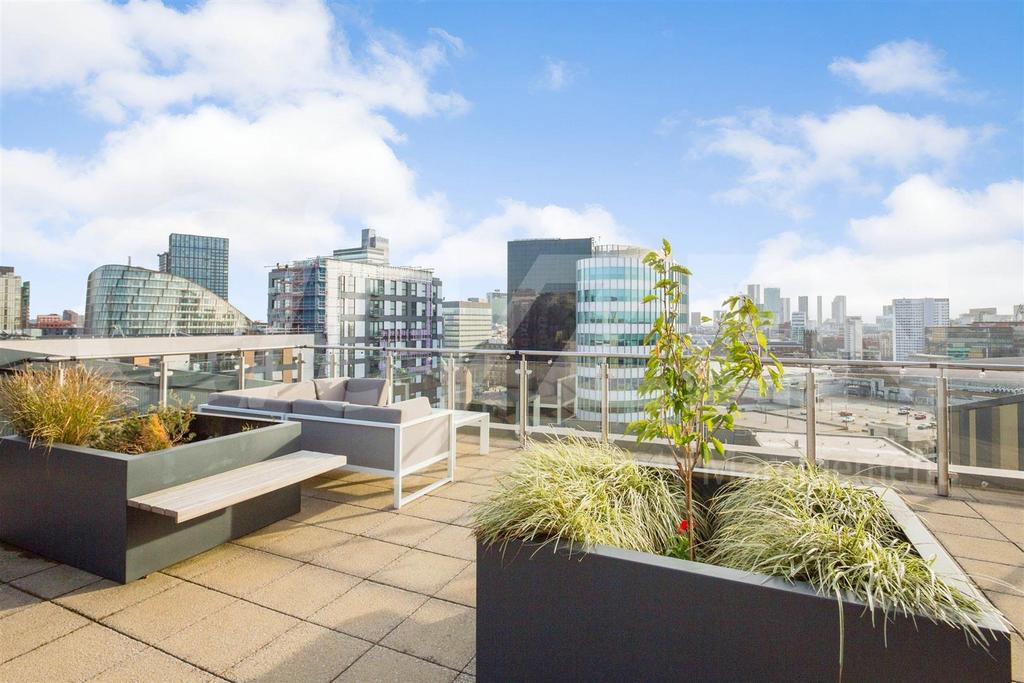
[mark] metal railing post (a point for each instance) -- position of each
(60, 373)
(524, 398)
(300, 362)
(241, 369)
(604, 401)
(812, 427)
(450, 380)
(164, 381)
(942, 434)
(389, 375)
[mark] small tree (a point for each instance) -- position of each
(695, 390)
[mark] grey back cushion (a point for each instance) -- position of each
(330, 389)
(403, 411)
(319, 408)
(228, 400)
(295, 390)
(365, 391)
(274, 405)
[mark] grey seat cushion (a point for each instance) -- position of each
(330, 389)
(319, 408)
(403, 411)
(365, 391)
(228, 400)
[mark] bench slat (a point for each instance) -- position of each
(197, 498)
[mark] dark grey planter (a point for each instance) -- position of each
(69, 504)
(605, 614)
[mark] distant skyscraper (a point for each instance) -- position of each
(467, 324)
(910, 317)
(853, 338)
(797, 326)
(754, 292)
(199, 258)
(695, 319)
(787, 310)
(839, 311)
(819, 320)
(773, 302)
(801, 305)
(612, 317)
(499, 307)
(13, 301)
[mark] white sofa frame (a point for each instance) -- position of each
(398, 471)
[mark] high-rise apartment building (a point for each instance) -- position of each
(612, 317)
(137, 302)
(819, 320)
(695, 319)
(356, 298)
(13, 301)
(199, 258)
(754, 292)
(976, 341)
(467, 324)
(801, 305)
(787, 310)
(542, 292)
(773, 303)
(910, 317)
(853, 338)
(839, 311)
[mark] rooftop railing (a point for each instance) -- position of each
(924, 421)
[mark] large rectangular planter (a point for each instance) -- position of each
(69, 504)
(606, 614)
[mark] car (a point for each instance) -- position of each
(847, 418)
(845, 413)
(803, 411)
(903, 411)
(920, 416)
(924, 426)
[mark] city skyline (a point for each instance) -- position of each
(901, 131)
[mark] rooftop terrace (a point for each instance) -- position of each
(351, 590)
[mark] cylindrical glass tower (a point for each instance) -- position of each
(612, 317)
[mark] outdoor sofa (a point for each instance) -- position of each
(348, 416)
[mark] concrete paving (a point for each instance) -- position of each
(351, 590)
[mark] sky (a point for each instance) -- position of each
(874, 150)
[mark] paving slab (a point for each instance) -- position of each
(153, 665)
(307, 653)
(420, 571)
(461, 589)
(247, 574)
(454, 541)
(13, 600)
(382, 665)
(34, 626)
(369, 611)
(55, 581)
(406, 530)
(360, 557)
(168, 612)
(440, 632)
(103, 598)
(444, 510)
(77, 656)
(304, 591)
(15, 563)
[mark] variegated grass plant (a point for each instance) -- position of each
(578, 491)
(805, 524)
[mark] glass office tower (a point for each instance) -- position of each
(611, 317)
(542, 292)
(137, 302)
(199, 258)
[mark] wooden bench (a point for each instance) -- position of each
(203, 496)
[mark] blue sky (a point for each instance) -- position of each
(873, 150)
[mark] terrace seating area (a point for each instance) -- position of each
(350, 589)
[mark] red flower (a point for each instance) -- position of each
(682, 526)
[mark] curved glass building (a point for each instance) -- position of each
(138, 302)
(611, 316)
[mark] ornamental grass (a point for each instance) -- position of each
(577, 491)
(804, 524)
(47, 406)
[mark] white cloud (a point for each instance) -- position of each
(287, 153)
(146, 57)
(557, 75)
(900, 67)
(932, 240)
(479, 251)
(785, 157)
